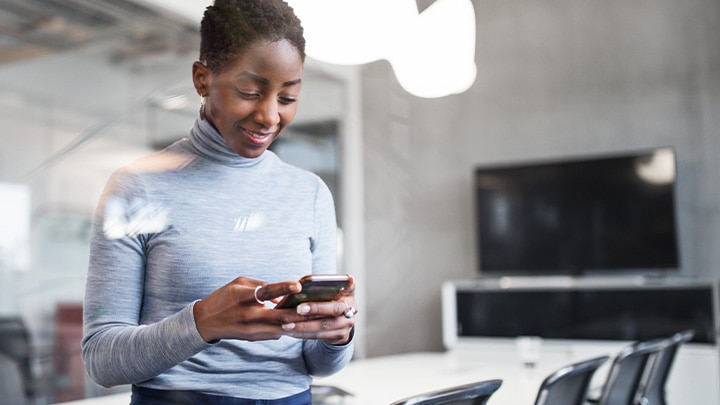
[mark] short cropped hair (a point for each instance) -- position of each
(229, 27)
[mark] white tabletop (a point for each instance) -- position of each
(383, 380)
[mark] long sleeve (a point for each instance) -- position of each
(116, 349)
(323, 359)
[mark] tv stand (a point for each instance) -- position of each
(586, 308)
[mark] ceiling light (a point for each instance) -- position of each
(432, 53)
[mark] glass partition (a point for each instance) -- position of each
(72, 112)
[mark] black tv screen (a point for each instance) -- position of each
(594, 313)
(577, 216)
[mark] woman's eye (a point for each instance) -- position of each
(254, 95)
(247, 94)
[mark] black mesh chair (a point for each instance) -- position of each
(569, 385)
(15, 346)
(653, 390)
(11, 382)
(624, 379)
(469, 394)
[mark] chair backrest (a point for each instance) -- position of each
(653, 391)
(15, 345)
(569, 385)
(628, 368)
(476, 393)
(11, 382)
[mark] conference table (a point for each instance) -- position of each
(694, 377)
(385, 379)
(382, 380)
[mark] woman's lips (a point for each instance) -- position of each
(258, 137)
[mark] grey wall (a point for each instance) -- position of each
(555, 79)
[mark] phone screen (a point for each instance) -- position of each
(316, 288)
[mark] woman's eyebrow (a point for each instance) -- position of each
(265, 81)
(292, 82)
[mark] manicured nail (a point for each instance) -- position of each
(288, 326)
(303, 309)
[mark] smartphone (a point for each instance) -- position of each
(316, 288)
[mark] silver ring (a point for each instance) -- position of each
(351, 311)
(259, 301)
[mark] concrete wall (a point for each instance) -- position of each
(555, 79)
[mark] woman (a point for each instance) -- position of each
(190, 244)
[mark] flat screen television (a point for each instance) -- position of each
(601, 214)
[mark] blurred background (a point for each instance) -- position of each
(89, 85)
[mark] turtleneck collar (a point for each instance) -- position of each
(210, 144)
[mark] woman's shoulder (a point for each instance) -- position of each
(290, 169)
(173, 158)
(294, 175)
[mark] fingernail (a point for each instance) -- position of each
(288, 326)
(303, 309)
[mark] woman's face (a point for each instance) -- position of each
(255, 97)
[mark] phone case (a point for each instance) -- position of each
(316, 288)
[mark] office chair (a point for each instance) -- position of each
(569, 385)
(468, 394)
(16, 347)
(653, 391)
(626, 372)
(11, 382)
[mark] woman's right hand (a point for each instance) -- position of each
(233, 312)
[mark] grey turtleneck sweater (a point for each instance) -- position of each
(173, 227)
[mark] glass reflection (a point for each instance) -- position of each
(74, 110)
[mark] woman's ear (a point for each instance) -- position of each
(201, 75)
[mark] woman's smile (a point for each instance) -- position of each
(258, 138)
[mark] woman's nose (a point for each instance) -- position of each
(267, 112)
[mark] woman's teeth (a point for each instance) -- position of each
(258, 136)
